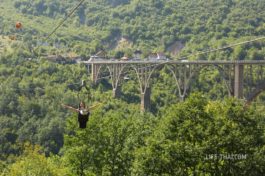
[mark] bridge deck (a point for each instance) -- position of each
(178, 62)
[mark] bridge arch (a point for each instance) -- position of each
(145, 73)
(115, 72)
(183, 77)
(252, 96)
(224, 75)
(182, 74)
(98, 72)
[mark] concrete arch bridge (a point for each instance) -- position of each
(243, 79)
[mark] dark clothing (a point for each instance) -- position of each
(82, 119)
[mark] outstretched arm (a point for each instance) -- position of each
(94, 106)
(70, 107)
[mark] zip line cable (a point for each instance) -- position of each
(49, 35)
(185, 57)
(223, 48)
(67, 16)
(199, 53)
(62, 22)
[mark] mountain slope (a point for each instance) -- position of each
(150, 25)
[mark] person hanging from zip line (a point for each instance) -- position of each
(83, 113)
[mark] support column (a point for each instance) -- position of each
(116, 92)
(239, 80)
(88, 69)
(146, 100)
(115, 71)
(94, 73)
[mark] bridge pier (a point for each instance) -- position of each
(115, 71)
(116, 92)
(144, 73)
(94, 72)
(88, 69)
(146, 100)
(239, 80)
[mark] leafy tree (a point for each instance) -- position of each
(106, 146)
(33, 162)
(120, 140)
(198, 136)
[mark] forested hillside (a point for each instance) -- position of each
(207, 134)
(148, 25)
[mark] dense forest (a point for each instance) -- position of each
(209, 133)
